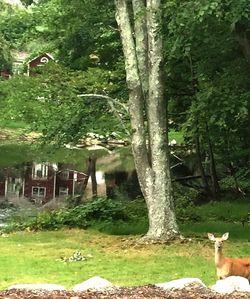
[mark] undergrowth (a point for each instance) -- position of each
(124, 217)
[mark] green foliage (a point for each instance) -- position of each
(18, 155)
(54, 96)
(5, 56)
(82, 216)
(240, 180)
(198, 229)
(185, 199)
(206, 73)
(225, 211)
(5, 44)
(178, 136)
(14, 25)
(87, 35)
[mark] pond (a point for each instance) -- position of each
(42, 175)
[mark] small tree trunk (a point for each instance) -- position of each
(90, 173)
(200, 166)
(92, 163)
(213, 172)
(197, 137)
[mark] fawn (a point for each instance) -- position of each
(229, 266)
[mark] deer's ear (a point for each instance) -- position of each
(225, 236)
(211, 237)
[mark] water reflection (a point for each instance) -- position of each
(41, 182)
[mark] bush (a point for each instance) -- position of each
(82, 216)
(242, 177)
(184, 199)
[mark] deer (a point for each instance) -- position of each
(226, 266)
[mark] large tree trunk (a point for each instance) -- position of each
(142, 49)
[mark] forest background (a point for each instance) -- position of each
(206, 62)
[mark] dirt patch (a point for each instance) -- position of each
(149, 291)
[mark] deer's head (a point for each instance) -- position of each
(218, 241)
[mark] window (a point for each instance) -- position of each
(39, 192)
(14, 185)
(18, 68)
(63, 191)
(40, 171)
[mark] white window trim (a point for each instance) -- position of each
(44, 170)
(38, 191)
(64, 192)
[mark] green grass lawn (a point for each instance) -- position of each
(34, 257)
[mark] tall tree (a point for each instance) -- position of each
(142, 47)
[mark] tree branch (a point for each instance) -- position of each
(112, 102)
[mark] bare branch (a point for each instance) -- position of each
(111, 102)
(101, 96)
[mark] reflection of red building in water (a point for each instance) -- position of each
(42, 182)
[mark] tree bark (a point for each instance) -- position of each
(92, 167)
(91, 173)
(200, 166)
(147, 107)
(213, 172)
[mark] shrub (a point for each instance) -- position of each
(184, 199)
(82, 216)
(242, 177)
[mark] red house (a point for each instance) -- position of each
(42, 182)
(19, 64)
(38, 61)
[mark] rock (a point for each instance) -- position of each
(232, 284)
(182, 283)
(172, 142)
(95, 282)
(47, 287)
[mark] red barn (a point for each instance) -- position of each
(42, 182)
(38, 61)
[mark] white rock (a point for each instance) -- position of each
(180, 283)
(48, 287)
(232, 284)
(173, 142)
(95, 282)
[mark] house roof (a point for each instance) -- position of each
(41, 55)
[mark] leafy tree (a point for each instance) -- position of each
(15, 22)
(206, 76)
(54, 95)
(205, 62)
(5, 56)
